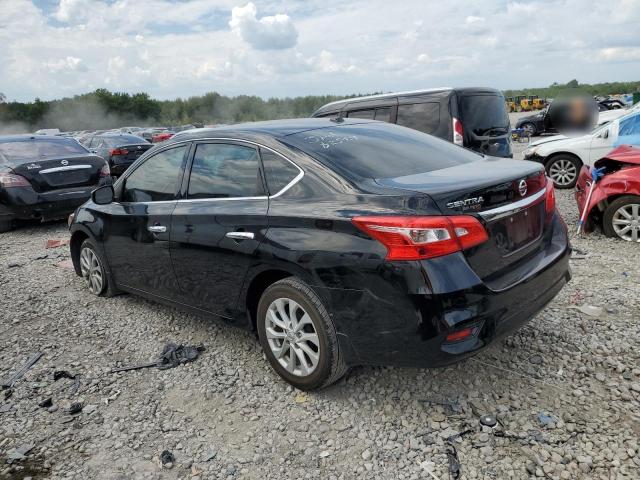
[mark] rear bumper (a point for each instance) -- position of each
(25, 203)
(384, 325)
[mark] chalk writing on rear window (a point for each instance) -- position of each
(328, 140)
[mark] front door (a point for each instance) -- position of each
(139, 225)
(216, 230)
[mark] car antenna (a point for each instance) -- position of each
(338, 119)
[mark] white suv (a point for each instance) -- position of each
(563, 156)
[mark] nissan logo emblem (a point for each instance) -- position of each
(64, 162)
(522, 188)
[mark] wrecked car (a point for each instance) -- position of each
(614, 202)
(341, 243)
(45, 177)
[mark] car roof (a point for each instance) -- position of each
(408, 93)
(272, 128)
(37, 137)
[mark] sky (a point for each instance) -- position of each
(279, 48)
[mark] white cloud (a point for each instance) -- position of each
(67, 64)
(267, 33)
(472, 19)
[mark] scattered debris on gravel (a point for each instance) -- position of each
(559, 399)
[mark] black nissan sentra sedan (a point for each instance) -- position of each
(341, 242)
(45, 177)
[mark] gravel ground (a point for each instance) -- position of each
(565, 388)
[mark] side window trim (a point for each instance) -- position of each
(121, 182)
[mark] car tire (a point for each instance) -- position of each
(622, 218)
(563, 170)
(291, 343)
(92, 268)
(6, 226)
(530, 128)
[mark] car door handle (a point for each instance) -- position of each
(157, 229)
(240, 235)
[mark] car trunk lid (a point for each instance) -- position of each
(130, 153)
(61, 172)
(506, 195)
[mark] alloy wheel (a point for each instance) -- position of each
(91, 270)
(529, 128)
(626, 222)
(292, 337)
(563, 172)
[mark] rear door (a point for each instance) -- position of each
(138, 226)
(217, 228)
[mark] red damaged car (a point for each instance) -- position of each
(614, 204)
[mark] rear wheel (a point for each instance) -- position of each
(6, 226)
(298, 336)
(563, 170)
(622, 218)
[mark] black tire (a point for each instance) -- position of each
(6, 226)
(331, 366)
(530, 128)
(108, 288)
(607, 219)
(555, 172)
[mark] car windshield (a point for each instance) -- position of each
(378, 150)
(484, 115)
(34, 149)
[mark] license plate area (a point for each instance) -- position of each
(514, 232)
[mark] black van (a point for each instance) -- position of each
(475, 118)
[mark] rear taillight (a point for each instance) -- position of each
(458, 137)
(415, 238)
(118, 151)
(9, 180)
(550, 199)
(105, 171)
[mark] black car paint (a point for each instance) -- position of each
(103, 144)
(395, 313)
(540, 121)
(49, 196)
(494, 141)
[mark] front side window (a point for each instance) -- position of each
(278, 171)
(365, 114)
(157, 178)
(225, 171)
(424, 117)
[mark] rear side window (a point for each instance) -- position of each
(40, 149)
(424, 117)
(484, 115)
(157, 178)
(378, 150)
(383, 114)
(225, 171)
(278, 171)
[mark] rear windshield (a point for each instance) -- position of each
(32, 149)
(379, 150)
(120, 140)
(484, 115)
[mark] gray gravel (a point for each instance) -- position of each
(565, 388)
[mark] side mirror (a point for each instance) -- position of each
(103, 195)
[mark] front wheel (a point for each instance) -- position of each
(563, 170)
(92, 269)
(622, 218)
(298, 336)
(529, 128)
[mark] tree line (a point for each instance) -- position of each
(105, 109)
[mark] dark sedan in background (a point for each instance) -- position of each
(119, 150)
(341, 242)
(45, 177)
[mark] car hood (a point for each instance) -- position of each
(558, 140)
(623, 154)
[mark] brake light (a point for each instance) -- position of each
(415, 238)
(9, 180)
(459, 335)
(105, 171)
(458, 137)
(550, 199)
(118, 151)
